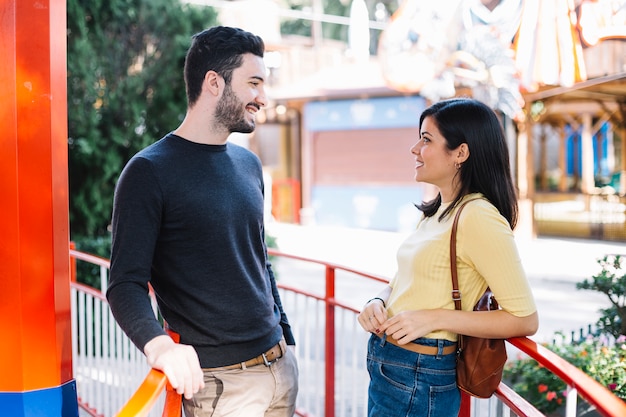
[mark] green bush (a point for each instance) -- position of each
(87, 273)
(611, 281)
(607, 365)
(539, 386)
(596, 356)
(271, 243)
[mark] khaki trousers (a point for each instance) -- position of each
(258, 391)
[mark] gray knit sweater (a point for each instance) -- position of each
(188, 219)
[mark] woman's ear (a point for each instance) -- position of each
(462, 153)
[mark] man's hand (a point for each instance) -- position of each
(178, 362)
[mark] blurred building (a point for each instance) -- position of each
(337, 133)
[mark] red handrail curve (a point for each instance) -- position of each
(606, 403)
(588, 388)
(517, 404)
(144, 398)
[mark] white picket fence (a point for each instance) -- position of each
(108, 368)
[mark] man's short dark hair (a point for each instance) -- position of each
(218, 49)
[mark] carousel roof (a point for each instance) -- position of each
(603, 97)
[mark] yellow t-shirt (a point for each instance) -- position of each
(486, 256)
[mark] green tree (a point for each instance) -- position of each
(611, 281)
(595, 355)
(125, 91)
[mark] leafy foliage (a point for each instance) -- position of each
(611, 281)
(125, 90)
(86, 272)
(603, 362)
(596, 355)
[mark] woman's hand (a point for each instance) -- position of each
(409, 325)
(373, 315)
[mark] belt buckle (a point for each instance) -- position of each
(266, 362)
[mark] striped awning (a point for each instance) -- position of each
(547, 48)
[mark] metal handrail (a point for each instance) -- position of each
(606, 403)
(146, 396)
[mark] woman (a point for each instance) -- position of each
(411, 359)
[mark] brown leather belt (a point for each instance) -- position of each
(423, 349)
(268, 358)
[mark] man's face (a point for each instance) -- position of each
(243, 97)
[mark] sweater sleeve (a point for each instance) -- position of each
(284, 322)
(135, 226)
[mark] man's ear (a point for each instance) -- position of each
(213, 83)
(462, 153)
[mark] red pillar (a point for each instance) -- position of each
(35, 341)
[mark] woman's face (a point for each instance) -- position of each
(434, 162)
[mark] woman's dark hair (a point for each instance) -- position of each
(486, 170)
(218, 49)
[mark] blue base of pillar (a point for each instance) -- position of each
(61, 401)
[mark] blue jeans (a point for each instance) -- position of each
(409, 384)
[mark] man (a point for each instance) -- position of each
(188, 219)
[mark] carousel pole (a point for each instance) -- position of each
(35, 351)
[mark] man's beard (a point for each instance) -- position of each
(231, 113)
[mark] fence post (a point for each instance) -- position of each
(466, 405)
(329, 397)
(72, 263)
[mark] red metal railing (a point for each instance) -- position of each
(591, 391)
(605, 402)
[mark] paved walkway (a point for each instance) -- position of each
(553, 265)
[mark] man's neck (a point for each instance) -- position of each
(201, 131)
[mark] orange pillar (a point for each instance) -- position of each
(35, 342)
